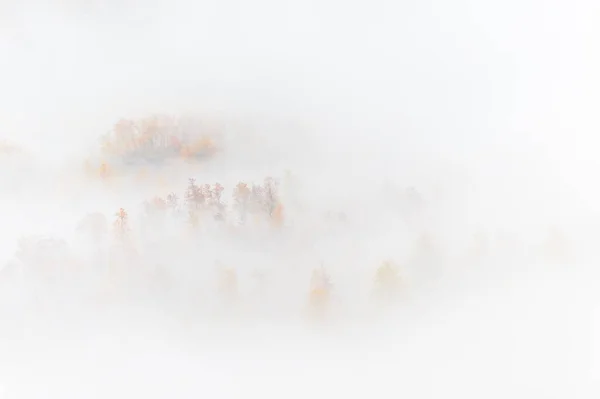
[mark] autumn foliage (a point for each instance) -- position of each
(153, 140)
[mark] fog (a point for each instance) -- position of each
(488, 110)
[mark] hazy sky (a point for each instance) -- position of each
(441, 77)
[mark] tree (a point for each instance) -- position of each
(121, 223)
(387, 281)
(320, 288)
(241, 198)
(194, 196)
(227, 283)
(173, 202)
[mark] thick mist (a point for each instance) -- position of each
(457, 140)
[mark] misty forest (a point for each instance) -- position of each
(299, 199)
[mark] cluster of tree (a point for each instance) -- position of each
(51, 259)
(255, 200)
(154, 139)
(8, 148)
(53, 262)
